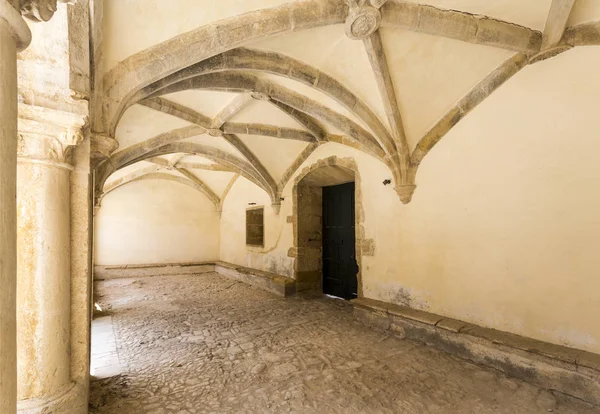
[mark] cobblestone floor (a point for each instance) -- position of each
(195, 344)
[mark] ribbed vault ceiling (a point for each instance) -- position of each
(255, 109)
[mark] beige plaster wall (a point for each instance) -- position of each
(278, 234)
(153, 221)
(503, 229)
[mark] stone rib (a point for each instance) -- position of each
(238, 144)
(201, 185)
(379, 65)
(481, 91)
(243, 59)
(466, 27)
(227, 190)
(147, 174)
(287, 175)
(229, 81)
(161, 60)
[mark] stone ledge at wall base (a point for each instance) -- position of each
(158, 269)
(270, 282)
(569, 371)
(71, 399)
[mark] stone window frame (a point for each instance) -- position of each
(249, 242)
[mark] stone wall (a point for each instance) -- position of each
(309, 262)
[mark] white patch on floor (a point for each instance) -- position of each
(105, 359)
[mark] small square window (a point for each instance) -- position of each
(255, 228)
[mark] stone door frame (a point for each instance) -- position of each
(363, 247)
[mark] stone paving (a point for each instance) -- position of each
(204, 343)
(105, 358)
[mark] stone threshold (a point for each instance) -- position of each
(270, 282)
(566, 370)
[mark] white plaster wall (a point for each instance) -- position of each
(278, 235)
(504, 227)
(154, 221)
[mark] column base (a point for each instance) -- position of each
(71, 399)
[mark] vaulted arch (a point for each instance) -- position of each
(243, 59)
(213, 57)
(144, 68)
(182, 112)
(154, 173)
(133, 155)
(184, 50)
(242, 82)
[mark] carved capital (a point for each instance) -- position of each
(102, 146)
(49, 149)
(362, 22)
(40, 10)
(48, 135)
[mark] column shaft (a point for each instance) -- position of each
(43, 278)
(8, 169)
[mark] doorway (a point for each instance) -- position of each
(328, 231)
(339, 242)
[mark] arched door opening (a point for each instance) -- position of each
(327, 239)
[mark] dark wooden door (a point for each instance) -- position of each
(339, 240)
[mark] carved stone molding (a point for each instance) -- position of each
(405, 192)
(18, 27)
(378, 3)
(48, 135)
(102, 146)
(48, 149)
(362, 22)
(68, 399)
(302, 179)
(215, 132)
(40, 10)
(260, 96)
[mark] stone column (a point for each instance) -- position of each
(14, 36)
(44, 261)
(52, 186)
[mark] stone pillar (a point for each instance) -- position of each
(44, 262)
(53, 280)
(81, 269)
(14, 36)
